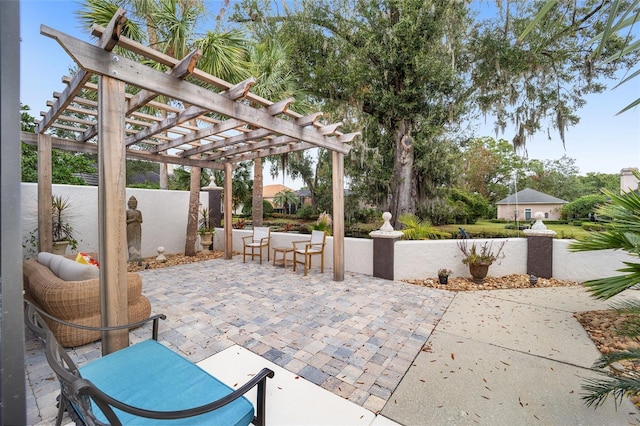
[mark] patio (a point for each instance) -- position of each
(354, 338)
(354, 352)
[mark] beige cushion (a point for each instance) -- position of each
(54, 264)
(44, 258)
(70, 270)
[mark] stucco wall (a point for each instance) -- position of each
(164, 216)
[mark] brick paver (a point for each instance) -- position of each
(356, 338)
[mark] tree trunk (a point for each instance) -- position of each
(403, 187)
(164, 176)
(192, 220)
(256, 207)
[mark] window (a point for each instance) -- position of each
(527, 214)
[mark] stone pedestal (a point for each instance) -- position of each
(383, 248)
(215, 205)
(539, 249)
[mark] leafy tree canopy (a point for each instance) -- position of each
(65, 165)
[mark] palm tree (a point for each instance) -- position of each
(274, 80)
(622, 233)
(286, 198)
(171, 28)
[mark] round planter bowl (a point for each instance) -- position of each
(478, 272)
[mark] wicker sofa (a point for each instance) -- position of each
(75, 300)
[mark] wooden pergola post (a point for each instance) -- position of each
(45, 239)
(112, 231)
(228, 211)
(338, 215)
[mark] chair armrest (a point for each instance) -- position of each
(244, 238)
(264, 241)
(299, 242)
(105, 402)
(309, 246)
(36, 326)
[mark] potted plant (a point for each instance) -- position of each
(61, 230)
(205, 229)
(443, 275)
(479, 258)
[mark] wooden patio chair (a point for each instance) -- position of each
(143, 384)
(260, 238)
(303, 251)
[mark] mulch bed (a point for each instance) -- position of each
(172, 260)
(492, 283)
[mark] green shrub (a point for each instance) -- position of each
(267, 209)
(305, 212)
(589, 226)
(367, 215)
(581, 207)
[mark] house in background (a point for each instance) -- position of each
(269, 193)
(524, 204)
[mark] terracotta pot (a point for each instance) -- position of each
(479, 271)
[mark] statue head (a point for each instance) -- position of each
(133, 203)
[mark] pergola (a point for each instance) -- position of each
(121, 108)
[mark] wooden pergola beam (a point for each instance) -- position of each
(166, 124)
(91, 148)
(233, 152)
(106, 42)
(200, 134)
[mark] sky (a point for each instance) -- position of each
(602, 142)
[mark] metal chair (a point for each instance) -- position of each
(126, 387)
(312, 247)
(260, 238)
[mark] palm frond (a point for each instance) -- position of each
(596, 391)
(224, 55)
(607, 359)
(627, 306)
(606, 288)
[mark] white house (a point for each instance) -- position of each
(524, 204)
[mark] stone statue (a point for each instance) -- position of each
(134, 231)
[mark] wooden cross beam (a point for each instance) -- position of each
(97, 60)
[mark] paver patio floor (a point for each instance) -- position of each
(355, 338)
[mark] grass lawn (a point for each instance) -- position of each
(481, 226)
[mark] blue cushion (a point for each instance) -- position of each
(151, 376)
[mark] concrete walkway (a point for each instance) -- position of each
(506, 357)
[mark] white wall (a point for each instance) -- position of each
(164, 216)
(421, 259)
(165, 222)
(586, 265)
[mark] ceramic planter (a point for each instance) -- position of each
(479, 271)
